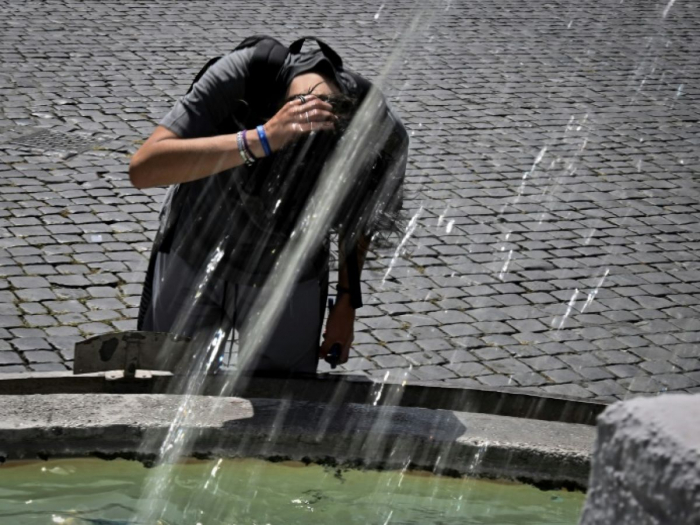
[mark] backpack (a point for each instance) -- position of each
(266, 65)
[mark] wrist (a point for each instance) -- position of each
(254, 143)
(343, 299)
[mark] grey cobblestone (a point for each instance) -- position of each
(481, 295)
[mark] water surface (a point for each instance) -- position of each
(247, 491)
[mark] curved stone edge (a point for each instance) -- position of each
(546, 454)
(352, 388)
(646, 466)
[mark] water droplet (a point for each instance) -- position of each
(376, 16)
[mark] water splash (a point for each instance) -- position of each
(441, 217)
(333, 185)
(376, 15)
(592, 294)
(569, 309)
(667, 8)
(504, 269)
(412, 225)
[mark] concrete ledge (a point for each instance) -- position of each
(646, 468)
(548, 454)
(322, 387)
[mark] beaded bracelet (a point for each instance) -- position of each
(248, 151)
(241, 148)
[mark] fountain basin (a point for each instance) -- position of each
(544, 453)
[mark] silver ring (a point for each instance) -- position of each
(308, 120)
(302, 98)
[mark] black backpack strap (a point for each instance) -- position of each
(331, 55)
(202, 71)
(264, 89)
(267, 59)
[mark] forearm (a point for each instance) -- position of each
(174, 160)
(362, 248)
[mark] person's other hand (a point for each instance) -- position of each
(339, 328)
(296, 119)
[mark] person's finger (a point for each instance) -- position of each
(314, 103)
(308, 127)
(325, 348)
(318, 115)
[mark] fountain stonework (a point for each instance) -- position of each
(646, 465)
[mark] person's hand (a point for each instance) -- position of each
(296, 119)
(339, 328)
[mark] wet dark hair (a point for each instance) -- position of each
(344, 107)
(282, 183)
(316, 150)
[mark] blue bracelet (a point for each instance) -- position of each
(263, 141)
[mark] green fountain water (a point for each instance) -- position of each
(247, 491)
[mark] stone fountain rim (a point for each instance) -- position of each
(547, 454)
(355, 388)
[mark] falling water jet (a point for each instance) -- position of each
(504, 269)
(412, 225)
(569, 308)
(332, 188)
(667, 8)
(592, 294)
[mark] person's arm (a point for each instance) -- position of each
(387, 198)
(188, 145)
(341, 318)
(166, 158)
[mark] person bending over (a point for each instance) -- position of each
(241, 153)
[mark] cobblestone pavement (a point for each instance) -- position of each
(553, 180)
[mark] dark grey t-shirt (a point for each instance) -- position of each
(214, 219)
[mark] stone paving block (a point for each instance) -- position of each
(528, 379)
(494, 328)
(468, 369)
(658, 367)
(12, 369)
(616, 357)
(389, 336)
(495, 380)
(370, 350)
(40, 356)
(461, 331)
(424, 358)
(490, 353)
(40, 320)
(409, 319)
(402, 347)
(624, 370)
(48, 367)
(570, 390)
(29, 282)
(457, 356)
(607, 388)
(509, 366)
(562, 376)
(676, 381)
(95, 328)
(544, 362)
(594, 373)
(102, 315)
(433, 344)
(9, 358)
